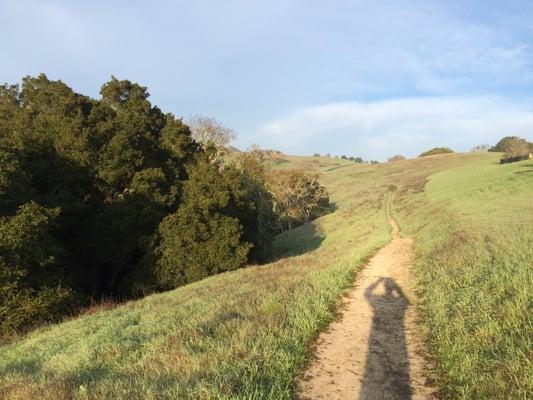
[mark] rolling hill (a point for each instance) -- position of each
(247, 334)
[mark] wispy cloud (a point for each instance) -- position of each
(258, 64)
(409, 125)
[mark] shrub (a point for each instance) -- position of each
(397, 157)
(32, 288)
(436, 150)
(298, 197)
(515, 149)
(512, 145)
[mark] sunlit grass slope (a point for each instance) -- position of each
(246, 334)
(474, 231)
(243, 334)
(308, 163)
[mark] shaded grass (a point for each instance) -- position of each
(240, 335)
(298, 241)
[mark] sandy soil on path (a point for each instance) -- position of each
(373, 351)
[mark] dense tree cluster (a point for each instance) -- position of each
(287, 197)
(298, 197)
(111, 197)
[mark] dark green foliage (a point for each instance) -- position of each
(358, 160)
(134, 201)
(200, 239)
(31, 270)
(436, 150)
(14, 183)
(255, 208)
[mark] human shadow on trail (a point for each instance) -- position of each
(387, 365)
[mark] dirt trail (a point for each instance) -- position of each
(373, 352)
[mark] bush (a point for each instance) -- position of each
(397, 157)
(515, 149)
(513, 146)
(436, 150)
(32, 287)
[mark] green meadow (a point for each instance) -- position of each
(247, 334)
(474, 266)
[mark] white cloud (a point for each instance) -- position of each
(408, 126)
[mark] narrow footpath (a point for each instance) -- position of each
(374, 350)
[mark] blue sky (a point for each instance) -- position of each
(362, 78)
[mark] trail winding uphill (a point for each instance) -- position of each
(373, 351)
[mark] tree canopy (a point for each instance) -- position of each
(513, 146)
(209, 132)
(298, 197)
(110, 197)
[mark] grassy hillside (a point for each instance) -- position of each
(245, 334)
(474, 231)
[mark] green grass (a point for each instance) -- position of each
(487, 192)
(309, 163)
(474, 230)
(246, 334)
